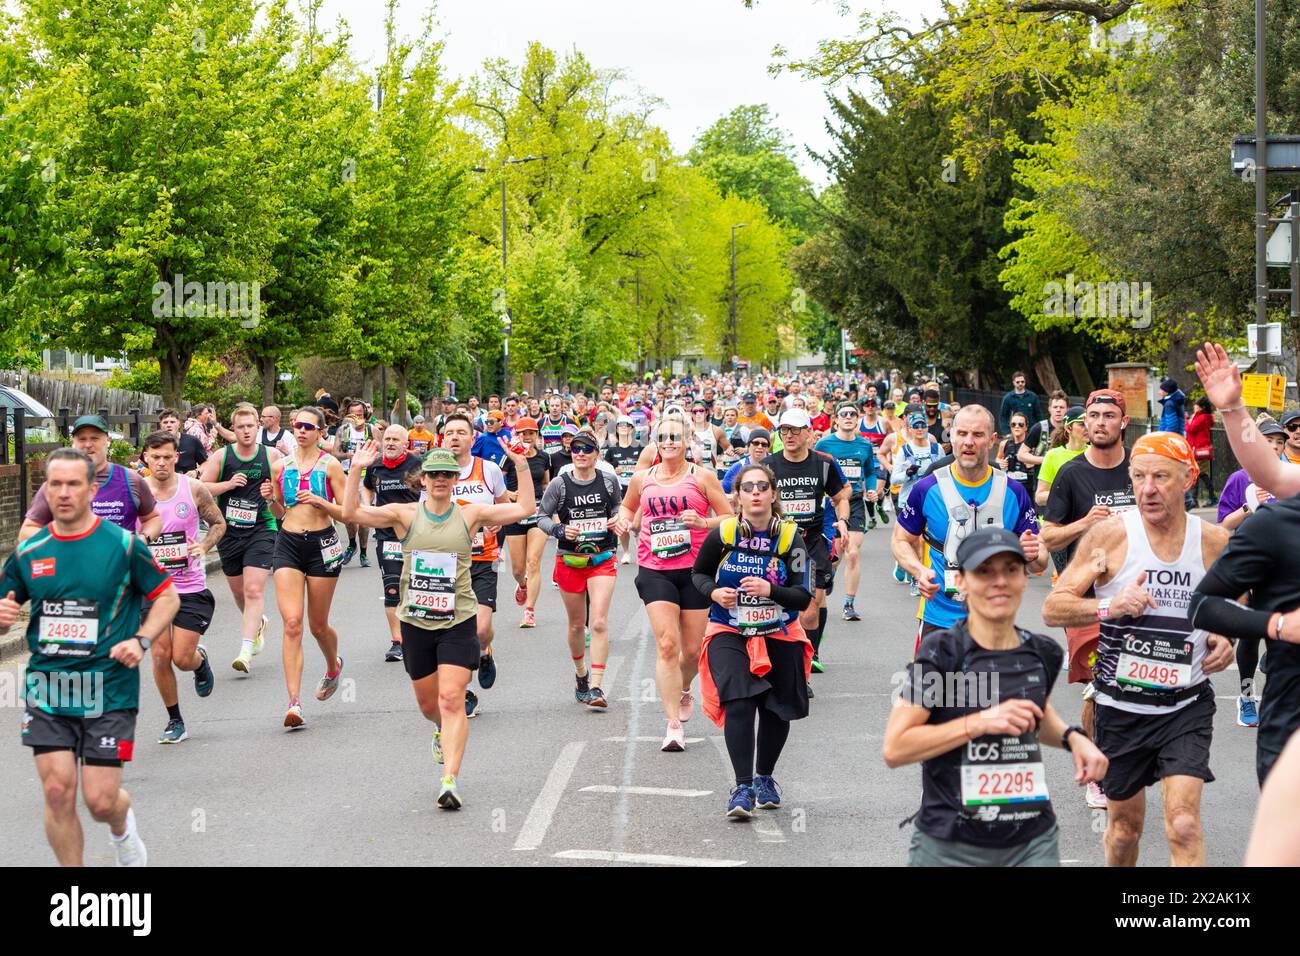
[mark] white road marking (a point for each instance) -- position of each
(647, 740)
(765, 824)
(623, 811)
(649, 859)
(539, 817)
(645, 791)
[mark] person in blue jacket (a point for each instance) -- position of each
(1173, 418)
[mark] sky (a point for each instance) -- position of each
(702, 58)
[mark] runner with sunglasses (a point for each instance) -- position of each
(857, 460)
(708, 441)
(437, 605)
(759, 444)
(308, 554)
(754, 568)
(580, 510)
(622, 452)
(1008, 454)
(525, 540)
(676, 498)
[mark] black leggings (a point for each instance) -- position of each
(1248, 657)
(739, 733)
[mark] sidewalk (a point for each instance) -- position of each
(15, 642)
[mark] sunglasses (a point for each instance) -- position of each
(670, 436)
(1291, 426)
(760, 444)
(305, 426)
(700, 411)
(582, 449)
(751, 486)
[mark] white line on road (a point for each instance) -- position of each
(539, 817)
(623, 811)
(612, 665)
(644, 791)
(647, 740)
(649, 859)
(765, 825)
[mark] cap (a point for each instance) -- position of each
(749, 397)
(624, 420)
(983, 543)
(795, 418)
(525, 425)
(1271, 427)
(440, 460)
(93, 421)
(1169, 385)
(1107, 396)
(1285, 419)
(587, 435)
(1075, 413)
(931, 395)
(916, 420)
(869, 400)
(496, 416)
(420, 418)
(569, 429)
(762, 433)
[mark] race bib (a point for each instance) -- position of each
(853, 471)
(950, 585)
(69, 627)
(997, 770)
(799, 507)
(331, 550)
(1155, 662)
(171, 551)
(1018, 475)
(431, 588)
(478, 544)
(590, 528)
(669, 538)
(239, 513)
(758, 615)
(391, 550)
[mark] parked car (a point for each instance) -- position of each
(41, 423)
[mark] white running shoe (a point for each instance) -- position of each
(259, 642)
(675, 740)
(1095, 797)
(130, 850)
(685, 706)
(244, 662)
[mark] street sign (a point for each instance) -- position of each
(1279, 244)
(1263, 391)
(1271, 341)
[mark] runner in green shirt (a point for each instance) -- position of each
(85, 578)
(1072, 441)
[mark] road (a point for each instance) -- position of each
(547, 782)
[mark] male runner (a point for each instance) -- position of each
(1134, 574)
(394, 479)
(354, 431)
(420, 438)
(271, 434)
(552, 427)
(182, 501)
(190, 454)
(857, 460)
(240, 477)
(85, 578)
(875, 430)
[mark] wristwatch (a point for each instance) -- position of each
(1065, 735)
(144, 641)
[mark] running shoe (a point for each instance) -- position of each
(203, 676)
(766, 792)
(871, 523)
(530, 618)
(293, 716)
(437, 746)
(675, 739)
(741, 804)
(449, 796)
(328, 685)
(394, 653)
(521, 594)
(1096, 797)
(582, 689)
(851, 613)
(365, 561)
(471, 704)
(817, 667)
(627, 558)
(884, 515)
(596, 700)
(1247, 716)
(244, 662)
(130, 851)
(174, 732)
(899, 574)
(685, 707)
(259, 642)
(348, 555)
(811, 695)
(487, 670)
(913, 589)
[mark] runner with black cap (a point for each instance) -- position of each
(758, 444)
(749, 414)
(1134, 575)
(857, 460)
(975, 712)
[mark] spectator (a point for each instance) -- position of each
(1019, 400)
(1174, 417)
(1198, 436)
(325, 401)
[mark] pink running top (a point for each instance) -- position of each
(665, 544)
(180, 525)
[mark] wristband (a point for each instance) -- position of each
(144, 641)
(1280, 619)
(1233, 408)
(1065, 735)
(1103, 609)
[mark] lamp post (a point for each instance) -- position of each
(735, 341)
(506, 316)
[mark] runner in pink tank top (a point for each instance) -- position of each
(674, 500)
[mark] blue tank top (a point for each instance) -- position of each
(315, 481)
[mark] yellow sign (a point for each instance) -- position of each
(1263, 391)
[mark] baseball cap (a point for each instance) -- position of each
(749, 397)
(440, 460)
(496, 416)
(93, 421)
(869, 400)
(1075, 413)
(984, 543)
(624, 420)
(525, 425)
(568, 429)
(418, 419)
(917, 420)
(795, 418)
(1286, 419)
(1107, 396)
(1271, 427)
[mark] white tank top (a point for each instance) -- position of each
(708, 446)
(1123, 663)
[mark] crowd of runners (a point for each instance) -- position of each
(739, 502)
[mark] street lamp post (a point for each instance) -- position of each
(735, 341)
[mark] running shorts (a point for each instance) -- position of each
(483, 578)
(857, 514)
(1145, 748)
(104, 741)
(675, 587)
(424, 651)
(305, 551)
(574, 580)
(246, 550)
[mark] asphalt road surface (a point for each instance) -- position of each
(546, 781)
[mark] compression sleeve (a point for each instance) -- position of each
(551, 500)
(1214, 608)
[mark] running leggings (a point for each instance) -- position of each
(1247, 657)
(739, 734)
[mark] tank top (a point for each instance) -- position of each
(473, 489)
(876, 434)
(665, 544)
(708, 446)
(356, 437)
(552, 433)
(624, 460)
(269, 440)
(113, 500)
(588, 507)
(434, 591)
(244, 509)
(316, 481)
(1151, 664)
(180, 526)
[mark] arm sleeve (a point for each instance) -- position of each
(1213, 607)
(796, 594)
(551, 499)
(706, 564)
(615, 488)
(38, 511)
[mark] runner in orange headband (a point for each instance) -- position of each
(1167, 445)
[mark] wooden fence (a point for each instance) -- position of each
(82, 397)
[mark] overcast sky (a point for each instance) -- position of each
(702, 58)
